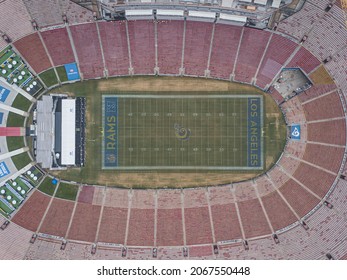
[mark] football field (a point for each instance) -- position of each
(182, 132)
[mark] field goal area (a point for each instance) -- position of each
(182, 132)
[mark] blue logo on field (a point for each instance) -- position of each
(295, 132)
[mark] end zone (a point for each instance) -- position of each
(254, 135)
(110, 137)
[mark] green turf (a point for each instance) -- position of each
(92, 172)
(20, 183)
(62, 73)
(13, 197)
(4, 209)
(47, 187)
(213, 132)
(21, 103)
(67, 191)
(15, 120)
(21, 160)
(14, 143)
(49, 77)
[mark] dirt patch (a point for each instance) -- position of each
(162, 84)
(321, 77)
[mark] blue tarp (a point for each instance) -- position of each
(4, 92)
(295, 132)
(3, 169)
(72, 71)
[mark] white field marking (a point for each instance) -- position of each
(182, 168)
(241, 131)
(184, 96)
(234, 122)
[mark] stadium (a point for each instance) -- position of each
(184, 129)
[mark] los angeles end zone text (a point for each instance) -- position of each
(187, 132)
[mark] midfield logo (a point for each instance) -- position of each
(181, 132)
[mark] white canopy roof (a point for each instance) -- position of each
(68, 131)
(261, 2)
(202, 14)
(276, 3)
(146, 12)
(161, 12)
(232, 17)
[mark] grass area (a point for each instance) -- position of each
(274, 132)
(14, 143)
(49, 77)
(21, 103)
(15, 120)
(62, 73)
(4, 209)
(47, 187)
(67, 191)
(21, 160)
(21, 184)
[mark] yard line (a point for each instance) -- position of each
(227, 128)
(195, 125)
(240, 152)
(214, 132)
(221, 131)
(234, 128)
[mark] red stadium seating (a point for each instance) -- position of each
(197, 225)
(169, 218)
(305, 60)
(115, 46)
(315, 91)
(85, 222)
(225, 222)
(30, 214)
(32, 50)
(327, 157)
(299, 199)
(278, 51)
(170, 43)
(326, 107)
(141, 227)
(253, 46)
(307, 175)
(58, 218)
(169, 227)
(58, 45)
(86, 41)
(142, 46)
(331, 132)
(86, 194)
(253, 219)
(226, 41)
(278, 211)
(197, 47)
(113, 225)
